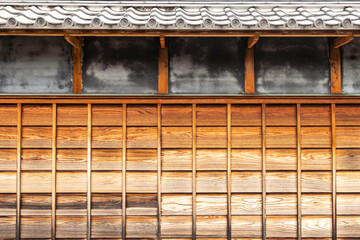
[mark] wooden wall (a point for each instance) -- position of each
(180, 171)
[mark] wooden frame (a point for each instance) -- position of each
(335, 69)
(263, 171)
(18, 170)
(53, 173)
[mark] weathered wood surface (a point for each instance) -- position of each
(176, 177)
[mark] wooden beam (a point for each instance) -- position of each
(252, 41)
(249, 71)
(73, 40)
(341, 41)
(162, 41)
(163, 80)
(77, 83)
(335, 69)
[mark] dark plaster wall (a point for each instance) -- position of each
(120, 65)
(351, 67)
(292, 65)
(206, 65)
(35, 65)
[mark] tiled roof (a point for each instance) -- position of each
(227, 16)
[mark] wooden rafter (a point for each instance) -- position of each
(341, 41)
(252, 41)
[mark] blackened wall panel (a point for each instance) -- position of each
(350, 67)
(206, 65)
(35, 65)
(292, 65)
(120, 65)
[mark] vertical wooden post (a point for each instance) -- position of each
(124, 174)
(159, 171)
(53, 175)
(163, 81)
(194, 171)
(335, 69)
(249, 71)
(298, 159)
(263, 168)
(18, 170)
(76, 43)
(89, 145)
(229, 171)
(333, 156)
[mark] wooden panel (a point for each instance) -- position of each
(176, 115)
(106, 227)
(277, 115)
(102, 182)
(8, 159)
(211, 115)
(348, 181)
(246, 226)
(72, 115)
(36, 137)
(246, 204)
(141, 204)
(36, 182)
(315, 115)
(316, 181)
(7, 205)
(71, 137)
(281, 226)
(176, 182)
(281, 137)
(71, 182)
(316, 137)
(281, 159)
(106, 137)
(176, 159)
(106, 204)
(71, 159)
(35, 115)
(281, 182)
(246, 181)
(70, 227)
(144, 182)
(211, 182)
(141, 159)
(211, 204)
(141, 115)
(348, 204)
(316, 226)
(106, 115)
(35, 227)
(8, 227)
(71, 204)
(211, 137)
(246, 159)
(176, 137)
(348, 226)
(348, 137)
(7, 182)
(211, 226)
(348, 159)
(106, 159)
(8, 114)
(281, 204)
(246, 115)
(211, 159)
(141, 137)
(246, 137)
(316, 204)
(316, 159)
(347, 114)
(176, 226)
(176, 204)
(8, 136)
(148, 226)
(36, 159)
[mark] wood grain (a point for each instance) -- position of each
(71, 204)
(348, 226)
(141, 159)
(71, 137)
(7, 182)
(106, 182)
(176, 226)
(71, 159)
(36, 182)
(8, 137)
(176, 204)
(176, 137)
(211, 204)
(211, 159)
(106, 159)
(281, 182)
(246, 137)
(315, 137)
(314, 115)
(144, 182)
(148, 226)
(36, 115)
(348, 181)
(163, 69)
(36, 159)
(249, 70)
(348, 137)
(36, 137)
(319, 182)
(35, 227)
(176, 115)
(281, 204)
(281, 226)
(176, 159)
(71, 227)
(211, 226)
(246, 115)
(176, 182)
(348, 204)
(245, 182)
(71, 182)
(8, 227)
(106, 137)
(141, 137)
(106, 115)
(281, 137)
(245, 159)
(141, 115)
(72, 115)
(106, 227)
(211, 137)
(214, 182)
(8, 159)
(281, 159)
(348, 159)
(105, 204)
(316, 159)
(9, 114)
(246, 204)
(141, 204)
(277, 115)
(347, 114)
(316, 204)
(7, 205)
(211, 115)
(246, 226)
(318, 226)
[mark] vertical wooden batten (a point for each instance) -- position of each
(194, 171)
(123, 207)
(159, 170)
(163, 61)
(76, 42)
(298, 163)
(228, 171)
(335, 69)
(89, 139)
(263, 169)
(53, 175)
(249, 69)
(333, 156)
(18, 170)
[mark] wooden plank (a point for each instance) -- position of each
(211, 204)
(281, 226)
(77, 74)
(71, 182)
(9, 114)
(246, 204)
(314, 115)
(214, 182)
(163, 70)
(348, 159)
(246, 227)
(141, 137)
(35, 227)
(335, 69)
(106, 159)
(319, 182)
(72, 115)
(70, 159)
(316, 159)
(176, 115)
(176, 226)
(141, 205)
(319, 226)
(7, 205)
(146, 223)
(176, 204)
(211, 137)
(8, 227)
(8, 159)
(106, 137)
(348, 204)
(71, 204)
(347, 114)
(245, 182)
(249, 71)
(106, 227)
(35, 182)
(8, 182)
(36, 137)
(176, 159)
(106, 204)
(71, 227)
(316, 204)
(348, 181)
(18, 169)
(278, 115)
(281, 204)
(281, 137)
(37, 115)
(281, 159)
(144, 182)
(71, 137)
(315, 137)
(211, 159)
(106, 115)
(141, 159)
(36, 159)
(349, 226)
(176, 182)
(245, 115)
(106, 182)
(176, 137)
(211, 115)
(245, 159)
(8, 136)
(347, 137)
(210, 226)
(141, 115)
(246, 137)
(281, 182)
